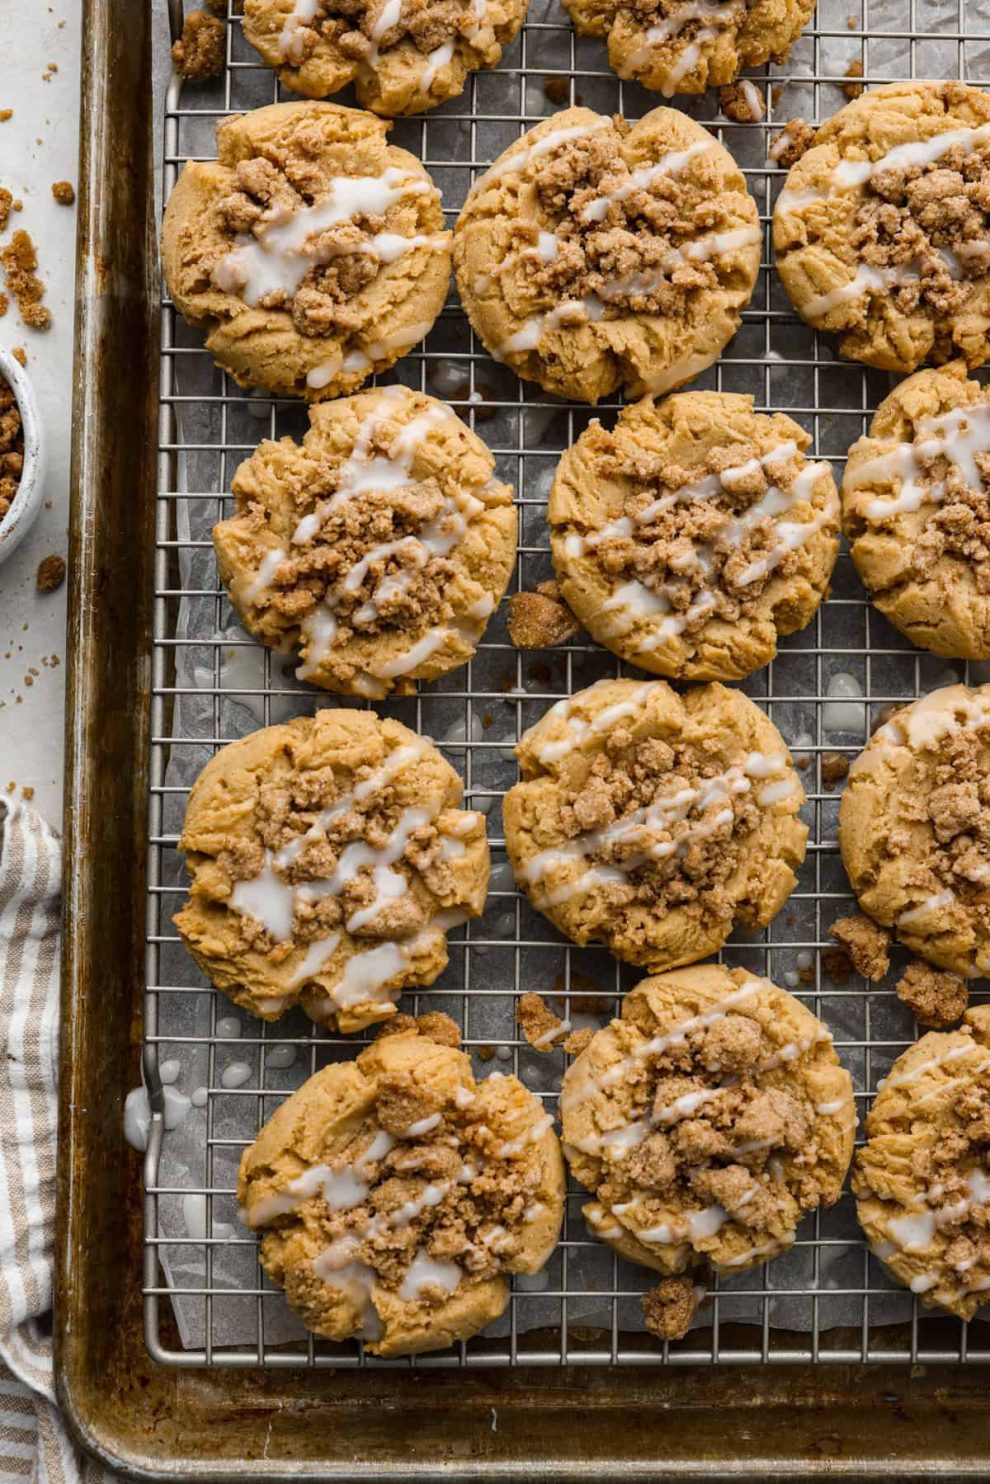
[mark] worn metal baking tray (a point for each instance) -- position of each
(152, 1420)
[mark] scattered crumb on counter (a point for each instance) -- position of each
(20, 260)
(790, 144)
(51, 573)
(5, 114)
(49, 72)
(776, 93)
(578, 1040)
(835, 766)
(64, 192)
(852, 21)
(669, 1307)
(6, 207)
(837, 964)
(486, 1053)
(866, 943)
(742, 102)
(854, 89)
(11, 447)
(539, 620)
(806, 974)
(538, 1023)
(934, 997)
(199, 51)
(20, 354)
(438, 1027)
(27, 792)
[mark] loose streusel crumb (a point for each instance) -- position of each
(835, 767)
(6, 207)
(11, 447)
(64, 192)
(837, 964)
(51, 573)
(542, 1028)
(486, 1053)
(20, 260)
(578, 1040)
(796, 137)
(853, 89)
(399, 1025)
(867, 944)
(743, 103)
(218, 7)
(885, 714)
(20, 354)
(5, 114)
(27, 792)
(669, 1308)
(540, 621)
(557, 89)
(199, 51)
(935, 998)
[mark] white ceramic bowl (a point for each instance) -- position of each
(27, 502)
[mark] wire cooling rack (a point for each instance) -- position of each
(206, 1299)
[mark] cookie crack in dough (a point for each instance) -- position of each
(652, 824)
(328, 859)
(379, 548)
(881, 232)
(922, 1180)
(394, 1194)
(686, 46)
(596, 253)
(707, 1121)
(917, 511)
(314, 250)
(404, 56)
(695, 533)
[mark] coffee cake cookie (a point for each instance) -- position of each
(686, 46)
(394, 1195)
(915, 510)
(378, 547)
(922, 1180)
(882, 232)
(707, 1121)
(328, 857)
(655, 822)
(914, 828)
(403, 56)
(596, 253)
(694, 534)
(311, 250)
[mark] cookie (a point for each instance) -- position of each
(328, 857)
(922, 1181)
(596, 254)
(403, 56)
(311, 251)
(915, 510)
(394, 1194)
(707, 1121)
(694, 534)
(914, 828)
(881, 232)
(655, 822)
(681, 46)
(377, 548)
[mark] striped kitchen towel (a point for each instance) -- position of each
(33, 1441)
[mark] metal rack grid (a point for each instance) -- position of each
(827, 1300)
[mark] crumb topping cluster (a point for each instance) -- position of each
(362, 32)
(957, 810)
(310, 830)
(717, 1136)
(668, 816)
(683, 535)
(931, 221)
(11, 447)
(342, 257)
(612, 237)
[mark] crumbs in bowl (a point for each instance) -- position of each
(11, 446)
